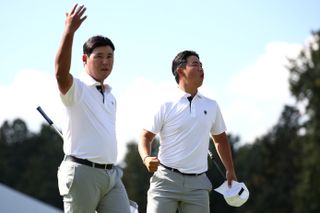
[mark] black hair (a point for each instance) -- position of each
(96, 41)
(181, 61)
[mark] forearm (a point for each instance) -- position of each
(144, 145)
(225, 155)
(224, 151)
(63, 58)
(151, 162)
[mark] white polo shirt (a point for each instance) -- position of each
(185, 131)
(89, 131)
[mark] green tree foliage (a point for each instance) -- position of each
(136, 176)
(15, 132)
(269, 167)
(305, 86)
(29, 161)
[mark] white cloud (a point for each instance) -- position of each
(259, 92)
(135, 106)
(253, 98)
(29, 90)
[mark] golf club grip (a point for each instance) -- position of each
(44, 115)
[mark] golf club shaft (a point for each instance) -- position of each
(50, 122)
(216, 164)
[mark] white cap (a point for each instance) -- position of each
(236, 195)
(133, 207)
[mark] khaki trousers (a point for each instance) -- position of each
(170, 191)
(86, 189)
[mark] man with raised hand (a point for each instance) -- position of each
(87, 177)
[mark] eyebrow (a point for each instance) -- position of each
(196, 62)
(101, 53)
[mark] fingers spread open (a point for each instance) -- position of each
(73, 9)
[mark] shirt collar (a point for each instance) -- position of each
(88, 80)
(182, 94)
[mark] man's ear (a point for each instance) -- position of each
(84, 58)
(179, 71)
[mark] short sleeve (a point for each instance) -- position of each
(155, 120)
(218, 125)
(73, 93)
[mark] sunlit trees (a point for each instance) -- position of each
(305, 86)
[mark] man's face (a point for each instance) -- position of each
(193, 73)
(99, 64)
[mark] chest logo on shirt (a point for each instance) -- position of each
(205, 112)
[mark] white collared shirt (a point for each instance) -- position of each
(89, 131)
(185, 130)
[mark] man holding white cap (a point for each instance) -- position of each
(185, 125)
(236, 195)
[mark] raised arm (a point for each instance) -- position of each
(63, 57)
(151, 162)
(224, 151)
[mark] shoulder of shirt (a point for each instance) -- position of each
(205, 98)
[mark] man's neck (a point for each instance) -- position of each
(191, 90)
(92, 76)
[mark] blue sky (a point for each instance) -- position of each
(243, 46)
